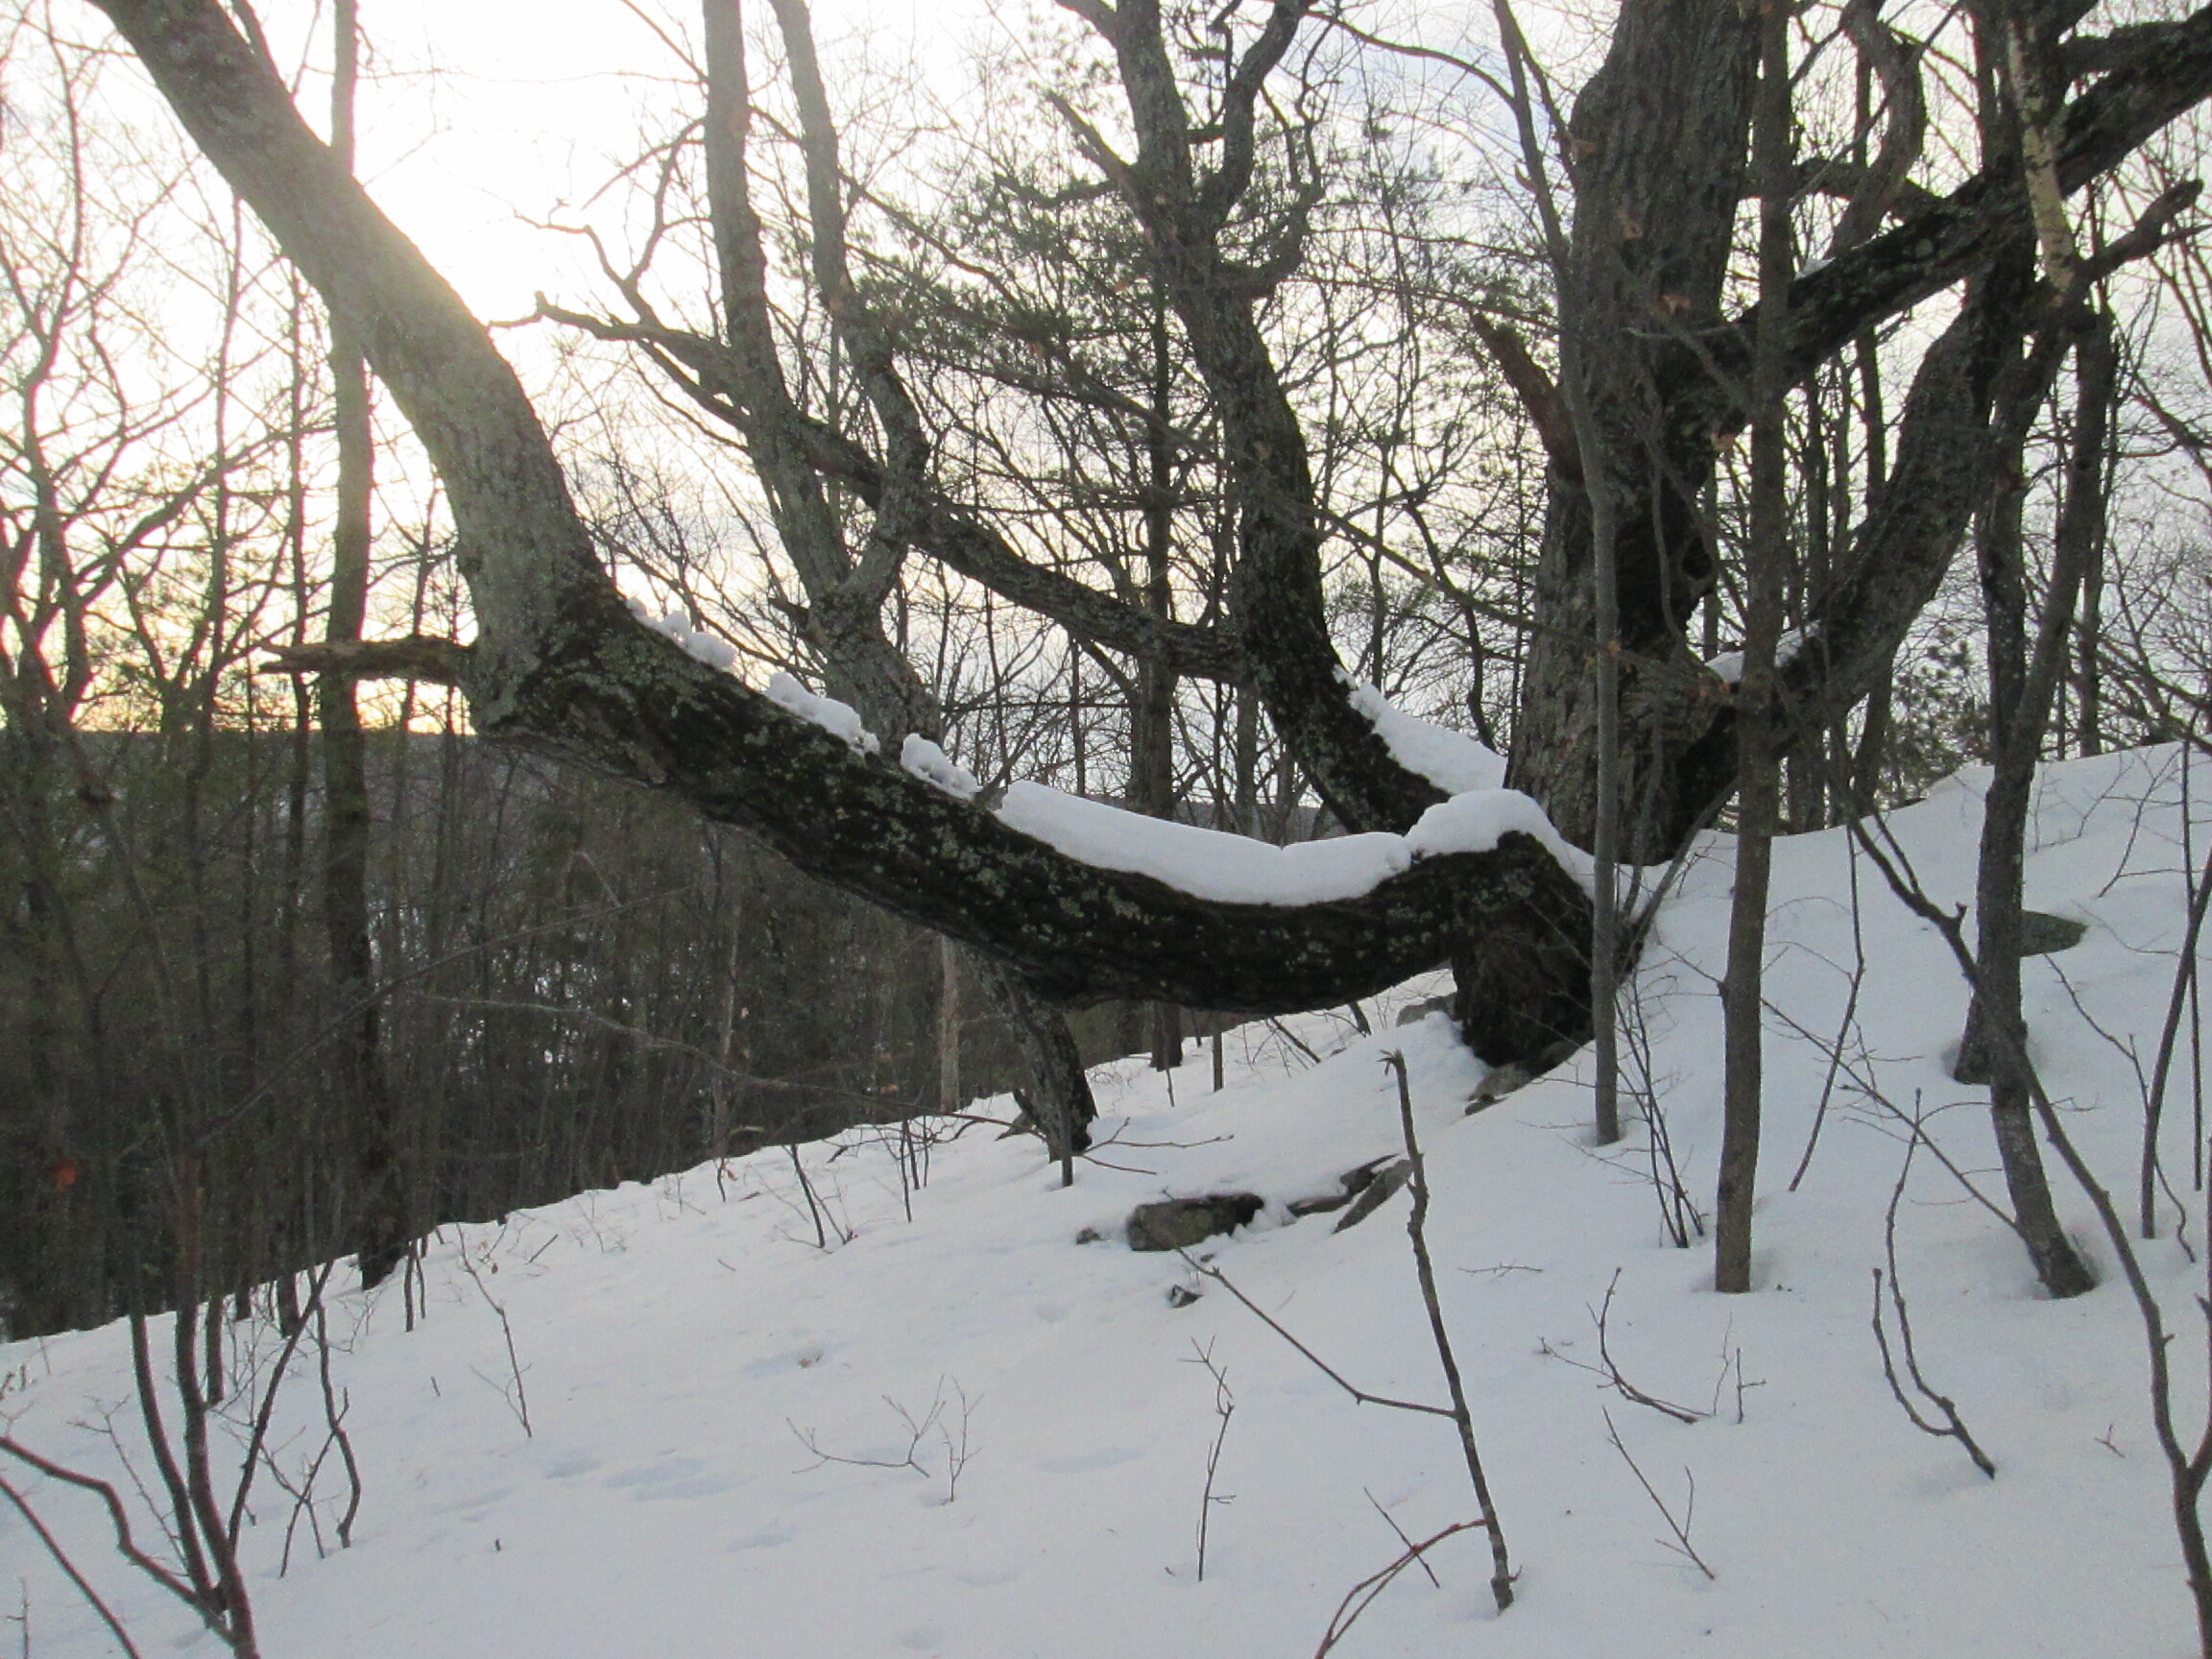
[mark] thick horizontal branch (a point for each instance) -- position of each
(422, 657)
(620, 697)
(2127, 46)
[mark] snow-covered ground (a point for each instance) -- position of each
(681, 1345)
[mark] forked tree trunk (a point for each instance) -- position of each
(1658, 136)
(846, 594)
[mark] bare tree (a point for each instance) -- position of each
(1219, 186)
(383, 1230)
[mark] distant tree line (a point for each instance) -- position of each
(578, 985)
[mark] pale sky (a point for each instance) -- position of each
(482, 111)
(537, 99)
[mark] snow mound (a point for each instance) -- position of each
(931, 764)
(1451, 761)
(1207, 863)
(710, 649)
(838, 719)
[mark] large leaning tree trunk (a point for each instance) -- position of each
(1658, 143)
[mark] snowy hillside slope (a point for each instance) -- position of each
(681, 1344)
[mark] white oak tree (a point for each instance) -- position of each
(1656, 155)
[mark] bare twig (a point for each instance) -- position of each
(952, 1437)
(1461, 1416)
(1207, 1270)
(258, 1438)
(957, 1450)
(1953, 1427)
(334, 1409)
(1678, 1211)
(814, 1206)
(1391, 1521)
(2183, 987)
(1610, 1372)
(1845, 1025)
(1732, 1359)
(1416, 1225)
(1680, 1528)
(917, 1431)
(1361, 1596)
(2124, 1048)
(126, 1544)
(1118, 1140)
(2189, 1467)
(1291, 1037)
(1224, 1409)
(68, 1567)
(519, 1401)
(302, 1494)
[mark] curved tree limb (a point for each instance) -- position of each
(1276, 593)
(523, 546)
(1933, 249)
(945, 530)
(845, 593)
(1884, 51)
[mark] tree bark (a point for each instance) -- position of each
(1659, 136)
(1767, 562)
(951, 1096)
(2023, 682)
(381, 1231)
